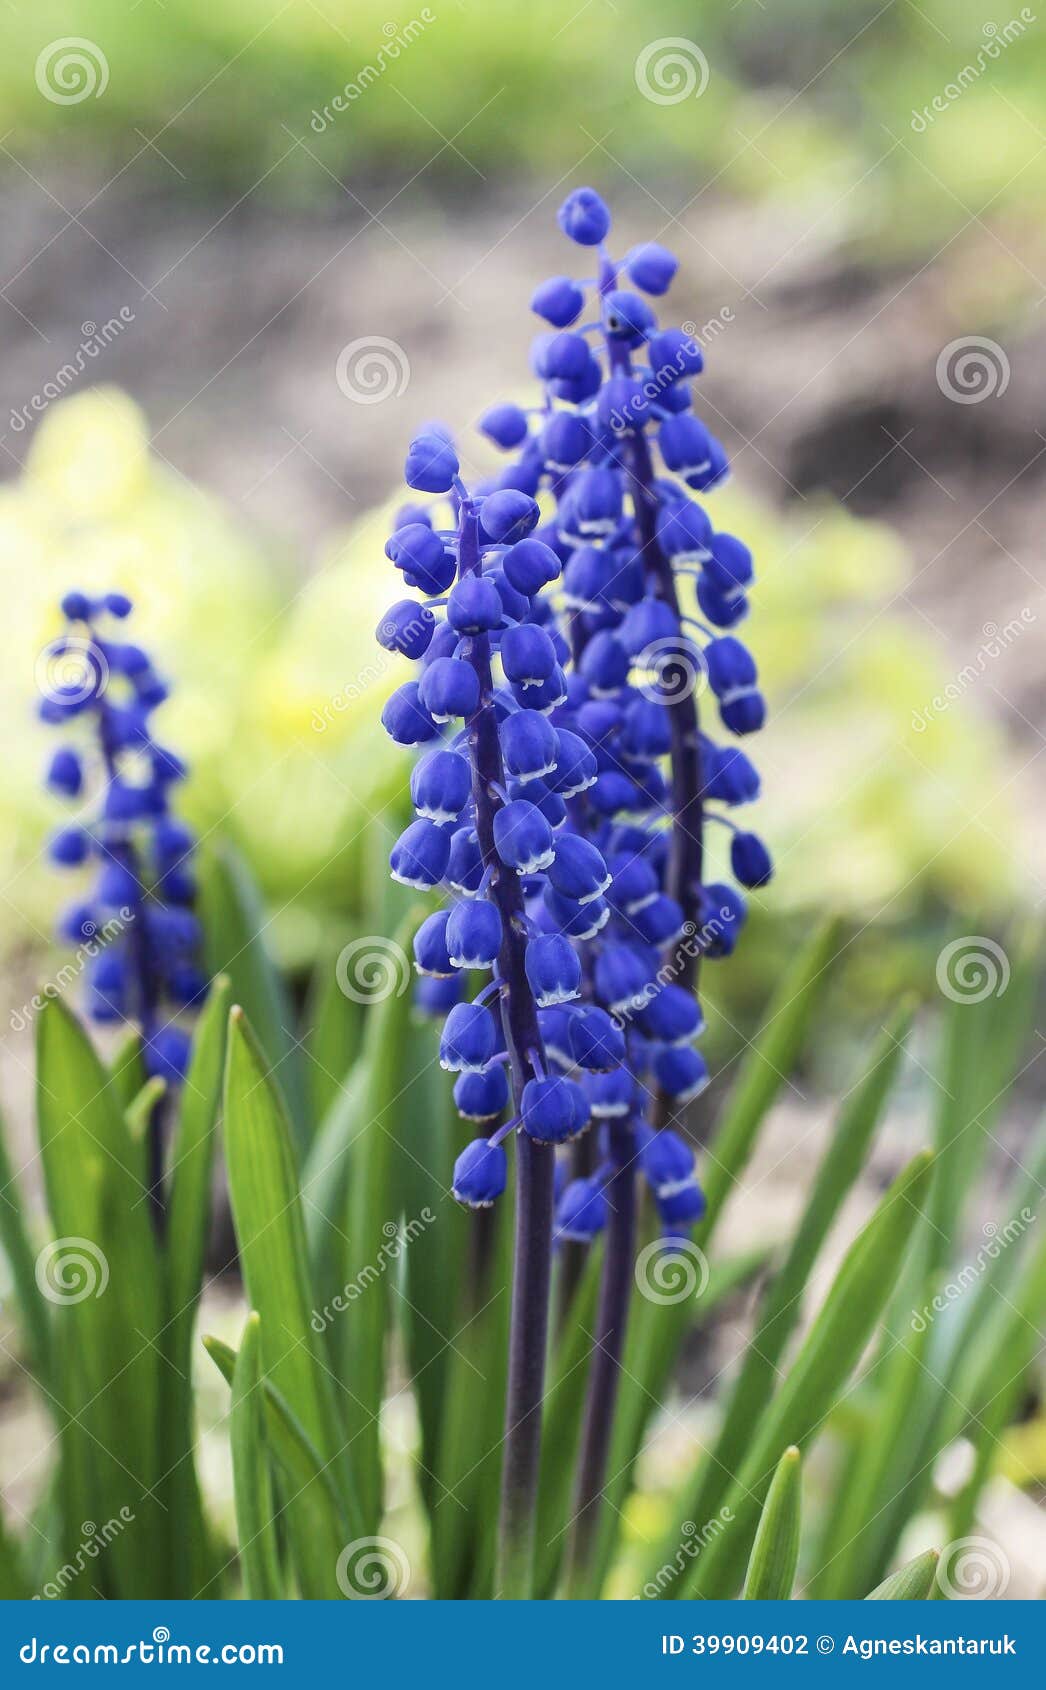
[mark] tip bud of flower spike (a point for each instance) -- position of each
(584, 217)
(432, 463)
(480, 1174)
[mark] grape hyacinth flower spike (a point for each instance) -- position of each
(135, 924)
(574, 604)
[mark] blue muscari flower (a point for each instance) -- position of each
(480, 1174)
(560, 634)
(581, 1212)
(137, 916)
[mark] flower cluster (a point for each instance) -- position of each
(563, 784)
(143, 889)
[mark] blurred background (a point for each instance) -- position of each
(250, 244)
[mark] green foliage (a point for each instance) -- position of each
(775, 1551)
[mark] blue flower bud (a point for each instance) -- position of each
(604, 664)
(674, 354)
(682, 1208)
(465, 865)
(589, 579)
(704, 480)
(681, 1071)
(667, 1162)
(125, 803)
(449, 688)
(684, 532)
(579, 871)
(750, 860)
(611, 1095)
(623, 406)
(467, 1042)
(730, 564)
(613, 792)
(65, 773)
(565, 440)
(559, 300)
(591, 506)
(431, 955)
(422, 557)
(560, 357)
(77, 924)
(646, 732)
(577, 921)
(594, 1040)
(76, 607)
(730, 665)
(553, 969)
(722, 915)
(420, 855)
(530, 565)
(529, 744)
(69, 847)
(405, 719)
(166, 1054)
(743, 711)
(622, 978)
(651, 267)
(660, 922)
(627, 316)
(440, 785)
(581, 1213)
(474, 605)
(584, 217)
(651, 622)
(727, 774)
(480, 1174)
(187, 987)
(406, 627)
(635, 883)
(575, 764)
(515, 606)
(118, 605)
(474, 934)
(723, 610)
(540, 793)
(528, 656)
(482, 1096)
(686, 446)
(509, 516)
(505, 425)
(672, 1016)
(523, 838)
(117, 886)
(432, 464)
(435, 996)
(554, 1110)
(578, 389)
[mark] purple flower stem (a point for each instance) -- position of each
(605, 1368)
(532, 1263)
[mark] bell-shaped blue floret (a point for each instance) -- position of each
(672, 1015)
(673, 355)
(553, 1110)
(432, 463)
(575, 764)
(405, 719)
(577, 921)
(559, 300)
(553, 969)
(622, 979)
(682, 1209)
(594, 1040)
(750, 860)
(650, 623)
(465, 863)
(406, 627)
(449, 688)
(482, 1095)
(523, 838)
(681, 1071)
(509, 516)
(431, 956)
(565, 440)
(652, 267)
(627, 316)
(505, 425)
(684, 532)
(729, 564)
(660, 922)
(667, 1162)
(528, 655)
(474, 934)
(474, 605)
(480, 1174)
(440, 785)
(529, 745)
(721, 609)
(420, 855)
(727, 774)
(722, 913)
(467, 1042)
(421, 556)
(65, 773)
(581, 1213)
(591, 506)
(166, 1054)
(530, 565)
(579, 871)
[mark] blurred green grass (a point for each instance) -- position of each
(812, 104)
